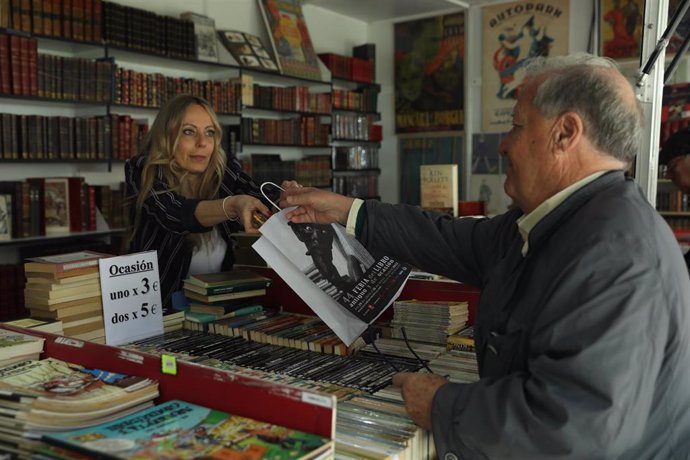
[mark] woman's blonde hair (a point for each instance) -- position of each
(159, 146)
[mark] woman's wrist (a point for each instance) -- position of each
(225, 211)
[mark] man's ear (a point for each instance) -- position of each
(567, 131)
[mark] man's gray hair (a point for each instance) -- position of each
(612, 123)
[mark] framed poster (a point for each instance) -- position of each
(511, 34)
(429, 75)
(290, 39)
(620, 28)
(417, 151)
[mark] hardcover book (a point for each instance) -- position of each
(57, 205)
(64, 263)
(177, 429)
(332, 272)
(290, 39)
(247, 50)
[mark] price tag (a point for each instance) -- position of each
(168, 364)
(130, 289)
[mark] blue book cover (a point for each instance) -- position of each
(177, 429)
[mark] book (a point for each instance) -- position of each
(5, 216)
(332, 273)
(205, 36)
(438, 187)
(229, 296)
(57, 207)
(62, 265)
(13, 344)
(177, 429)
(247, 50)
(56, 394)
(54, 326)
(290, 38)
(225, 282)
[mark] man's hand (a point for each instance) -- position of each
(316, 206)
(418, 392)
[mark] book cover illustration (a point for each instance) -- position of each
(204, 35)
(511, 40)
(620, 28)
(5, 216)
(63, 387)
(332, 272)
(429, 86)
(13, 344)
(439, 188)
(247, 50)
(290, 38)
(56, 205)
(177, 429)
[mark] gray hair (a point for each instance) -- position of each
(611, 122)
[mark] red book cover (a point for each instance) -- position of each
(5, 74)
(67, 19)
(92, 208)
(15, 64)
(25, 72)
(32, 61)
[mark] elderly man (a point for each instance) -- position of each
(583, 325)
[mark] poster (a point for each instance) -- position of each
(620, 28)
(488, 188)
(418, 151)
(290, 39)
(429, 75)
(511, 34)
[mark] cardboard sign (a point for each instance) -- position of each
(130, 289)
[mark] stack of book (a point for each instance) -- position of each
(173, 321)
(177, 429)
(66, 287)
(426, 321)
(213, 296)
(15, 347)
(459, 366)
(50, 395)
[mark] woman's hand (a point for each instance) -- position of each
(243, 207)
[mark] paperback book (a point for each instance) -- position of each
(177, 429)
(332, 272)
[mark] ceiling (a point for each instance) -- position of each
(383, 10)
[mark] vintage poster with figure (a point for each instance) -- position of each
(511, 34)
(429, 62)
(620, 28)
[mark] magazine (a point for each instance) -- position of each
(178, 429)
(332, 272)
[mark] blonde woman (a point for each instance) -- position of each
(187, 196)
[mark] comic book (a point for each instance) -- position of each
(177, 429)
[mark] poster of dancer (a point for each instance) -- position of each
(511, 34)
(620, 28)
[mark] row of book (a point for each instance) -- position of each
(305, 130)
(348, 68)
(154, 89)
(295, 98)
(357, 157)
(23, 71)
(362, 100)
(38, 137)
(672, 201)
(366, 186)
(138, 29)
(314, 171)
(351, 126)
(73, 19)
(55, 205)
